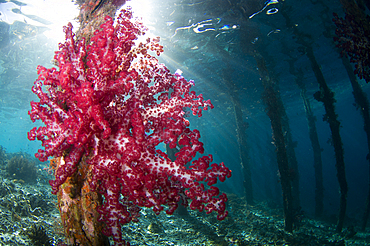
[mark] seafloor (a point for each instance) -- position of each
(29, 216)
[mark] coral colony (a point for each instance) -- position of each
(108, 107)
(353, 39)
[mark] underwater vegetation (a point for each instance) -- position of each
(24, 203)
(3, 156)
(21, 168)
(38, 236)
